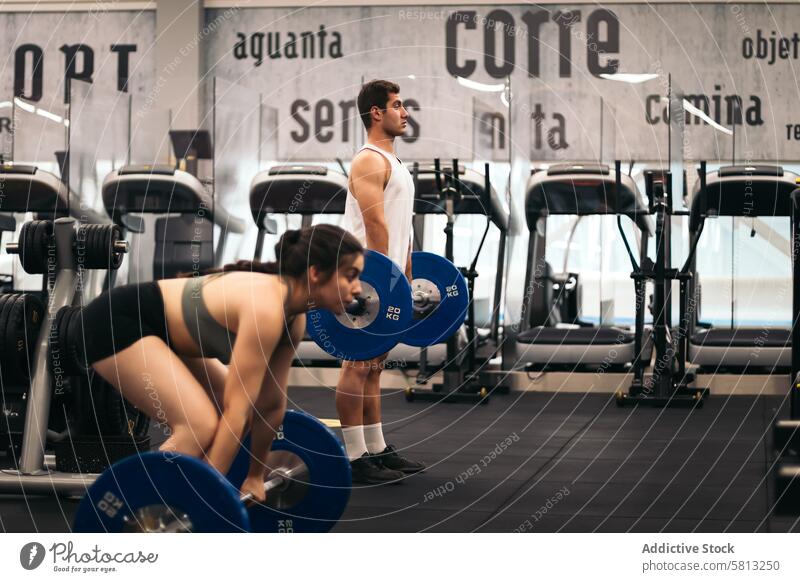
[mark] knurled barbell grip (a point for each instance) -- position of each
(278, 480)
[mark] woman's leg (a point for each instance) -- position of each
(212, 374)
(155, 380)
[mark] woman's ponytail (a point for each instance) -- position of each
(324, 246)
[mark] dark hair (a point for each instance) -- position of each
(374, 94)
(324, 246)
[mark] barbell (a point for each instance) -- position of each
(308, 487)
(390, 310)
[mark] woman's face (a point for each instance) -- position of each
(342, 287)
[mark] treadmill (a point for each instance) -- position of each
(576, 189)
(745, 191)
(174, 206)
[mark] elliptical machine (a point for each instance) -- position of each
(462, 382)
(786, 433)
(670, 383)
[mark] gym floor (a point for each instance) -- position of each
(546, 462)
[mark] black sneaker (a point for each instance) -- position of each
(391, 459)
(369, 471)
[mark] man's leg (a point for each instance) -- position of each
(373, 426)
(350, 404)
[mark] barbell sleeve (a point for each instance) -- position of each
(419, 297)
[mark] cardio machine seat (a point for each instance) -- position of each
(577, 336)
(767, 337)
(580, 346)
(761, 347)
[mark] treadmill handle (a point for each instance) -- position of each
(229, 222)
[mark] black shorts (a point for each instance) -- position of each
(119, 318)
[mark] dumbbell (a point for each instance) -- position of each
(390, 310)
(307, 489)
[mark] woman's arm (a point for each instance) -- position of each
(270, 408)
(256, 339)
(271, 404)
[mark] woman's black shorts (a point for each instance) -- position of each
(119, 318)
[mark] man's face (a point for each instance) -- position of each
(394, 119)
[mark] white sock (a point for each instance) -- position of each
(354, 441)
(373, 436)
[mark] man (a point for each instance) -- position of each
(379, 212)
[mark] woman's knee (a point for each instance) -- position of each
(204, 428)
(193, 438)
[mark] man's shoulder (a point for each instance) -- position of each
(367, 162)
(368, 156)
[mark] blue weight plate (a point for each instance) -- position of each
(450, 313)
(144, 485)
(325, 489)
(391, 316)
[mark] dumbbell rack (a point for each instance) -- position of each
(33, 475)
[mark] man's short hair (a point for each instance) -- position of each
(374, 94)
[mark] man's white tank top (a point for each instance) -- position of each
(398, 208)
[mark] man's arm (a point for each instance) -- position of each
(367, 181)
(408, 263)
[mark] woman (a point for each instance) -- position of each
(163, 343)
